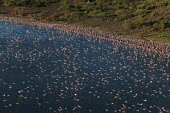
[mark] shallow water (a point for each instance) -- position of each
(46, 71)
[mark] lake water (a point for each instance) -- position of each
(48, 71)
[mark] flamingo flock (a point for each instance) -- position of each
(161, 48)
(56, 68)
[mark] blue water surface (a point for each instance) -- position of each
(50, 71)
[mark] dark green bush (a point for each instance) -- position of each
(139, 22)
(140, 12)
(158, 26)
(141, 6)
(101, 14)
(149, 7)
(121, 11)
(129, 25)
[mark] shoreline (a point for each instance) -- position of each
(159, 48)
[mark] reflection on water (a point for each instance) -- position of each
(48, 71)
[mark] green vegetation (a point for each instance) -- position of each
(158, 26)
(144, 16)
(158, 36)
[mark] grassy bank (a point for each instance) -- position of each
(145, 19)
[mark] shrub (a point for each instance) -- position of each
(38, 4)
(121, 11)
(95, 12)
(140, 12)
(153, 14)
(66, 7)
(22, 2)
(101, 14)
(149, 7)
(139, 22)
(141, 6)
(124, 16)
(147, 29)
(168, 6)
(129, 25)
(158, 26)
(43, 13)
(164, 2)
(10, 3)
(134, 24)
